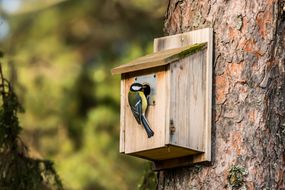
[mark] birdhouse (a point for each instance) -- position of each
(179, 79)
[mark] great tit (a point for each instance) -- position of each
(138, 103)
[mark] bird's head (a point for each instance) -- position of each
(135, 87)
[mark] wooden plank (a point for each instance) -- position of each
(183, 40)
(186, 39)
(165, 153)
(167, 105)
(158, 59)
(209, 84)
(135, 135)
(176, 162)
(122, 115)
(172, 163)
(188, 101)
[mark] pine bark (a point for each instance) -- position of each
(248, 127)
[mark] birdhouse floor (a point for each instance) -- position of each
(164, 153)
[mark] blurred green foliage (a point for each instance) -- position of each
(59, 57)
(17, 169)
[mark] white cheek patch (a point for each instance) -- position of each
(136, 88)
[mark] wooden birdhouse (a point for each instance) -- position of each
(179, 74)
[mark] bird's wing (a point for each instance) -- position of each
(136, 106)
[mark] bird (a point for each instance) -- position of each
(138, 104)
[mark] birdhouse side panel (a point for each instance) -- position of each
(135, 136)
(188, 101)
(122, 114)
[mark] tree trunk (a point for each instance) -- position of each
(248, 127)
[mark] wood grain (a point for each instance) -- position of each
(188, 101)
(158, 58)
(122, 114)
(184, 40)
(135, 136)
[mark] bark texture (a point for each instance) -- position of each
(248, 128)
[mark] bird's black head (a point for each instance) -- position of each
(136, 87)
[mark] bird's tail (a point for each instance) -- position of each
(145, 124)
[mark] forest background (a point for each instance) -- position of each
(58, 56)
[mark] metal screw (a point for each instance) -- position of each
(172, 128)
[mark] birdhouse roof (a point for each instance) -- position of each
(158, 58)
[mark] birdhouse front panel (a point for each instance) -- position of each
(135, 137)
